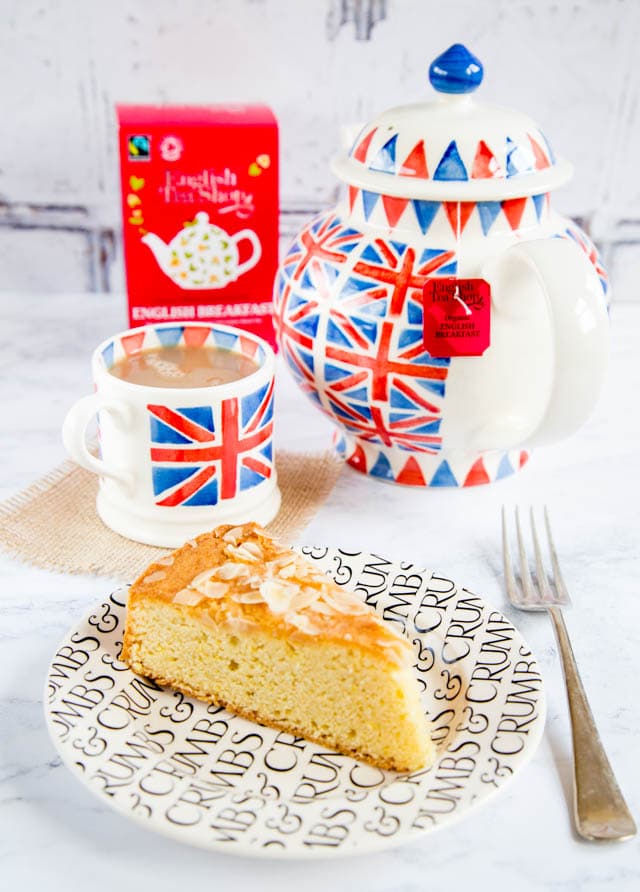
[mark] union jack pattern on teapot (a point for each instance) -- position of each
(447, 189)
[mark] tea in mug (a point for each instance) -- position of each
(184, 367)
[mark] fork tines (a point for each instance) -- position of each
(525, 590)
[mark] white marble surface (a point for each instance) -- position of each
(54, 834)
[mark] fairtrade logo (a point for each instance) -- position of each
(171, 148)
(139, 147)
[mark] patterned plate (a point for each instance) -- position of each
(203, 776)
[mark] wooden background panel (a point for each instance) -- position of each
(321, 64)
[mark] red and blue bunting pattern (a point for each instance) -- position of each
(349, 319)
(512, 159)
(394, 211)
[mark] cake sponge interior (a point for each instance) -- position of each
(339, 696)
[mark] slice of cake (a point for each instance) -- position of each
(235, 619)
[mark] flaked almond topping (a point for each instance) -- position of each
(214, 589)
(231, 570)
(320, 607)
(199, 580)
(207, 585)
(233, 536)
(188, 596)
(290, 566)
(281, 560)
(155, 577)
(302, 622)
(276, 546)
(286, 571)
(278, 595)
(165, 561)
(254, 548)
(305, 598)
(248, 597)
(343, 602)
(317, 576)
(247, 551)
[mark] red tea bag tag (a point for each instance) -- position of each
(457, 316)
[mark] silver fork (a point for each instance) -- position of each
(599, 808)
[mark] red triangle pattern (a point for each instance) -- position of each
(248, 347)
(394, 208)
(411, 475)
(485, 165)
(133, 343)
(358, 460)
(415, 164)
(466, 209)
(196, 336)
(513, 210)
(360, 152)
(477, 474)
(541, 160)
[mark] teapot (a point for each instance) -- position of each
(439, 196)
(203, 255)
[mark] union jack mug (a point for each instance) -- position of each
(175, 462)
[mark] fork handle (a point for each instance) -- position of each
(599, 807)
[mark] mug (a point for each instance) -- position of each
(175, 462)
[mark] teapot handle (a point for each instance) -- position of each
(579, 328)
(256, 250)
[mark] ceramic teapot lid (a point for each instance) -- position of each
(454, 148)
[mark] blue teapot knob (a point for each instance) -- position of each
(456, 71)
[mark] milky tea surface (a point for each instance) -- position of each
(183, 367)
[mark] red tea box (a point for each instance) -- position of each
(200, 213)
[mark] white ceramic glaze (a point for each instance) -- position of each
(175, 462)
(215, 780)
(49, 812)
(450, 188)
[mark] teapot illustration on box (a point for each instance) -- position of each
(446, 201)
(203, 255)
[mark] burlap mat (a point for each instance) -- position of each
(53, 524)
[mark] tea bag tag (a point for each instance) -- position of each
(456, 316)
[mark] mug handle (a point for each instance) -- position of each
(74, 431)
(256, 252)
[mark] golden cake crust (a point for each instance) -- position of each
(335, 616)
(235, 619)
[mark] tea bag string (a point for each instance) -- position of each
(456, 293)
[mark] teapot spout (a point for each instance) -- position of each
(158, 248)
